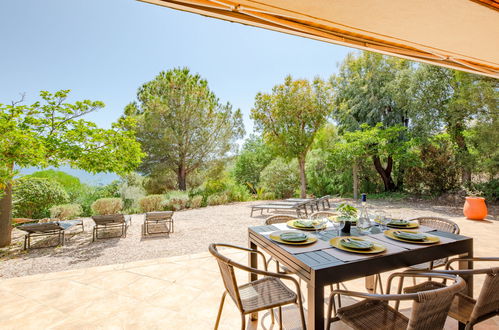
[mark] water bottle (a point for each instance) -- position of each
(364, 224)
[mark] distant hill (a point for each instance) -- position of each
(99, 179)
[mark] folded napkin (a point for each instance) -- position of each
(357, 244)
(293, 237)
(409, 236)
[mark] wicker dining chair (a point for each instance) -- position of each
(322, 214)
(266, 293)
(466, 309)
(439, 224)
(429, 308)
(279, 218)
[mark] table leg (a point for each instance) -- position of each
(370, 283)
(253, 262)
(315, 308)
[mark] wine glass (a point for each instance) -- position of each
(319, 224)
(381, 218)
(335, 223)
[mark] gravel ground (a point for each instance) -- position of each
(194, 230)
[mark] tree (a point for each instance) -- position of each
(181, 124)
(290, 117)
(51, 132)
(370, 89)
(254, 157)
(454, 99)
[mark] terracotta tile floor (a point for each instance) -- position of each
(181, 292)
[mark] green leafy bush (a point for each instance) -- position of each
(70, 183)
(195, 201)
(254, 157)
(152, 203)
(177, 200)
(489, 189)
(104, 206)
(217, 199)
(66, 211)
(280, 178)
(33, 197)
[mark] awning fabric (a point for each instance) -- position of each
(459, 34)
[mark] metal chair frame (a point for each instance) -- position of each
(213, 248)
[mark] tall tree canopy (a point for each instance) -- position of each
(291, 115)
(456, 100)
(370, 89)
(182, 124)
(51, 132)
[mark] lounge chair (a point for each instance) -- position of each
(296, 206)
(45, 229)
(165, 217)
(106, 222)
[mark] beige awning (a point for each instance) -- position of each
(459, 34)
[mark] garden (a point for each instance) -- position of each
(383, 126)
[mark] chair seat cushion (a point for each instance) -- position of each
(461, 307)
(372, 314)
(265, 293)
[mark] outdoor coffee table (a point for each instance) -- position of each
(320, 265)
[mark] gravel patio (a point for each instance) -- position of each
(195, 229)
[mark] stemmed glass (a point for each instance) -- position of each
(336, 223)
(319, 224)
(381, 218)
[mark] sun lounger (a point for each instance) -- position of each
(46, 229)
(296, 206)
(106, 222)
(165, 217)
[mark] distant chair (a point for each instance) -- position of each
(266, 293)
(110, 221)
(324, 214)
(279, 218)
(429, 308)
(164, 217)
(464, 308)
(438, 224)
(47, 229)
(324, 200)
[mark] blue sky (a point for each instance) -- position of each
(105, 49)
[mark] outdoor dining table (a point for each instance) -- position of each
(320, 264)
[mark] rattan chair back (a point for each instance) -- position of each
(488, 299)
(228, 275)
(429, 310)
(439, 224)
(323, 214)
(279, 218)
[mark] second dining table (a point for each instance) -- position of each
(320, 264)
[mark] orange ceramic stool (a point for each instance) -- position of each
(475, 208)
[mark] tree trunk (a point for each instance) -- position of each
(303, 177)
(181, 177)
(6, 216)
(355, 169)
(385, 173)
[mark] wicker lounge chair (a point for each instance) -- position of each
(46, 229)
(266, 293)
(110, 221)
(429, 308)
(164, 217)
(465, 309)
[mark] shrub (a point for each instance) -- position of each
(176, 200)
(217, 199)
(107, 206)
(196, 201)
(33, 197)
(70, 183)
(65, 211)
(489, 190)
(237, 193)
(152, 203)
(280, 178)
